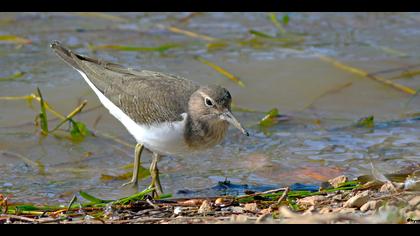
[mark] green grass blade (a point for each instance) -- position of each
(92, 199)
(270, 119)
(135, 197)
(43, 114)
(276, 23)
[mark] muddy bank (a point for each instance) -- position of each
(372, 199)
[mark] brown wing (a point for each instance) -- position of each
(145, 96)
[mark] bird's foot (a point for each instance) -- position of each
(156, 190)
(132, 183)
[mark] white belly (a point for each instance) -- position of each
(165, 138)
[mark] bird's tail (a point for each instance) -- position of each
(66, 54)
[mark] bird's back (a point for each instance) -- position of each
(147, 97)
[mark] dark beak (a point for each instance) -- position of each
(228, 116)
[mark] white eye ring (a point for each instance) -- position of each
(208, 102)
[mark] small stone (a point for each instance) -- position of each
(347, 210)
(414, 201)
(338, 197)
(205, 207)
(192, 202)
(309, 211)
(358, 200)
(219, 201)
(177, 210)
(412, 184)
(252, 207)
(325, 210)
(337, 181)
(388, 187)
(237, 209)
(310, 201)
(266, 211)
(370, 205)
(413, 215)
(239, 218)
(399, 186)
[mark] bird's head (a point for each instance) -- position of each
(212, 104)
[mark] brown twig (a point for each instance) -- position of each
(261, 193)
(71, 115)
(360, 72)
(284, 195)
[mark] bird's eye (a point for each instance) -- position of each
(208, 102)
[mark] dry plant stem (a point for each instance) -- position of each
(71, 115)
(48, 107)
(360, 72)
(261, 193)
(36, 97)
(395, 69)
(152, 204)
(328, 92)
(283, 196)
(50, 120)
(186, 32)
(21, 218)
(189, 17)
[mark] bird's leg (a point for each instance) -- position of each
(154, 172)
(137, 154)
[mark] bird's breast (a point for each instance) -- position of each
(205, 135)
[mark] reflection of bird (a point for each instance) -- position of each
(166, 114)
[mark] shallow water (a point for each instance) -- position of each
(323, 102)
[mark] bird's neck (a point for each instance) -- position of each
(203, 134)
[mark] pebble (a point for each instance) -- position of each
(310, 201)
(177, 210)
(235, 209)
(388, 187)
(239, 218)
(414, 201)
(219, 201)
(325, 210)
(309, 211)
(370, 205)
(413, 215)
(252, 207)
(412, 184)
(205, 207)
(347, 210)
(266, 211)
(337, 181)
(358, 200)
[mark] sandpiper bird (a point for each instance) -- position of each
(167, 114)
